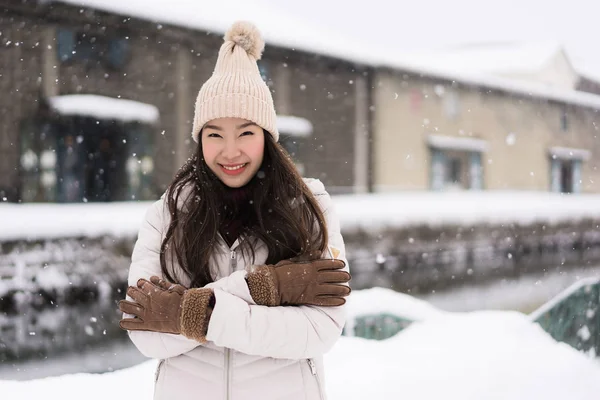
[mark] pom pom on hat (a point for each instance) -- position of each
(247, 36)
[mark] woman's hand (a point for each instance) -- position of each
(160, 306)
(318, 282)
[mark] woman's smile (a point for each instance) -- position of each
(233, 169)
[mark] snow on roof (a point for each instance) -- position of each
(102, 107)
(490, 82)
(283, 30)
(588, 73)
(457, 143)
(492, 57)
(567, 153)
(294, 126)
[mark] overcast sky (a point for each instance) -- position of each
(415, 25)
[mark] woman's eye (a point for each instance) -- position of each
(214, 135)
(247, 133)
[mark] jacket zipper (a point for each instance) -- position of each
(157, 373)
(227, 373)
(232, 262)
(232, 266)
(313, 369)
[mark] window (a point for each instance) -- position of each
(81, 159)
(92, 49)
(38, 162)
(562, 172)
(565, 175)
(565, 169)
(451, 104)
(455, 169)
(564, 122)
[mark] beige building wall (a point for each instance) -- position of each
(518, 131)
(399, 154)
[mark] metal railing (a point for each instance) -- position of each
(573, 317)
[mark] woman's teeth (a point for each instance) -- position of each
(234, 168)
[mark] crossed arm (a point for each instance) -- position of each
(236, 321)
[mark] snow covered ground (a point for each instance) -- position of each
(476, 355)
(38, 221)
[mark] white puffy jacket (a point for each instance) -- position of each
(252, 352)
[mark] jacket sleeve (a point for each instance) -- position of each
(145, 262)
(281, 332)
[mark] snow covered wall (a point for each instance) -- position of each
(60, 295)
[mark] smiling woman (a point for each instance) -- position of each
(240, 266)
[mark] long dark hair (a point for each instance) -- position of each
(282, 212)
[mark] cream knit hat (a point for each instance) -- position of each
(236, 88)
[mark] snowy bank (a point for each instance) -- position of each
(52, 221)
(480, 355)
(365, 211)
(375, 211)
(470, 356)
(385, 301)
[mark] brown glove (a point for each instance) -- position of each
(318, 282)
(160, 306)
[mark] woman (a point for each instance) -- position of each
(238, 276)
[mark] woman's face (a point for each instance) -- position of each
(233, 149)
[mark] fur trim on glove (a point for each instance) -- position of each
(195, 314)
(262, 286)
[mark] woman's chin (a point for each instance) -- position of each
(235, 181)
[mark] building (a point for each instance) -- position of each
(489, 120)
(96, 105)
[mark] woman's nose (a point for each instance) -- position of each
(231, 150)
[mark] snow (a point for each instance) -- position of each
(103, 107)
(390, 210)
(501, 57)
(457, 143)
(290, 32)
(567, 153)
(477, 355)
(294, 126)
(49, 221)
(377, 211)
(385, 301)
(521, 88)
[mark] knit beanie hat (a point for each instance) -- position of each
(236, 88)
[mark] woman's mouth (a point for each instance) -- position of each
(234, 169)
